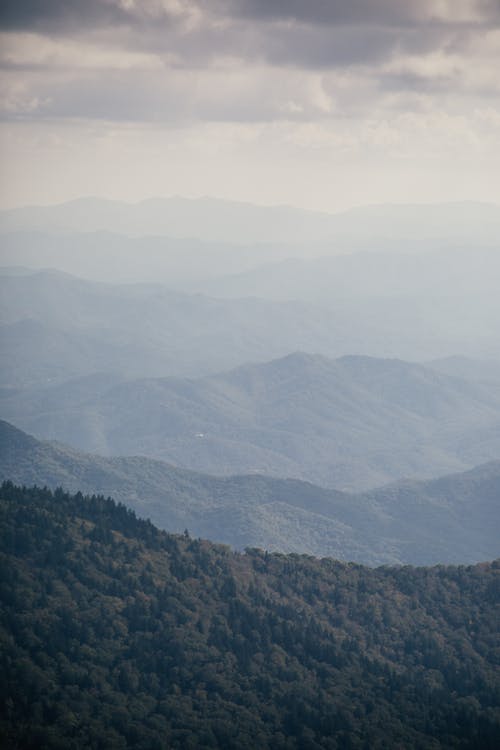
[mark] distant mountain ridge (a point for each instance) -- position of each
(217, 220)
(459, 271)
(451, 519)
(108, 256)
(373, 304)
(445, 299)
(56, 326)
(351, 423)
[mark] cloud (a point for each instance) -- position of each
(71, 15)
(255, 87)
(59, 15)
(335, 12)
(316, 35)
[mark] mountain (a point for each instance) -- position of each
(114, 634)
(415, 306)
(56, 326)
(351, 423)
(450, 272)
(215, 220)
(425, 305)
(242, 511)
(452, 519)
(208, 219)
(105, 256)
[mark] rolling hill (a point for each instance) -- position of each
(451, 519)
(450, 272)
(351, 423)
(421, 305)
(53, 325)
(106, 256)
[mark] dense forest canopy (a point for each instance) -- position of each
(116, 635)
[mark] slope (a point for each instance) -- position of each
(351, 423)
(453, 519)
(116, 635)
(53, 320)
(418, 305)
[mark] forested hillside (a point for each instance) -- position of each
(116, 635)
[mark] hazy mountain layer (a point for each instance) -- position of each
(452, 519)
(56, 326)
(352, 423)
(448, 272)
(424, 305)
(412, 307)
(105, 256)
(225, 221)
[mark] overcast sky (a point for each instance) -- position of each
(317, 103)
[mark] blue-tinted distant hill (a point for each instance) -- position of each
(421, 304)
(350, 423)
(54, 326)
(451, 519)
(216, 220)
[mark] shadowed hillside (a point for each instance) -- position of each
(453, 519)
(121, 635)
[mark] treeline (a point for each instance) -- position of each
(116, 635)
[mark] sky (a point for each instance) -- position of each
(323, 104)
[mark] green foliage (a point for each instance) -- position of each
(116, 635)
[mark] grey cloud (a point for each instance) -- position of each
(58, 15)
(412, 82)
(158, 96)
(315, 34)
(333, 12)
(296, 44)
(317, 47)
(135, 96)
(312, 47)
(490, 10)
(81, 14)
(310, 35)
(72, 14)
(389, 13)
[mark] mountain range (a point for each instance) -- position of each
(200, 375)
(216, 220)
(55, 326)
(351, 423)
(423, 303)
(451, 519)
(422, 308)
(461, 271)
(179, 263)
